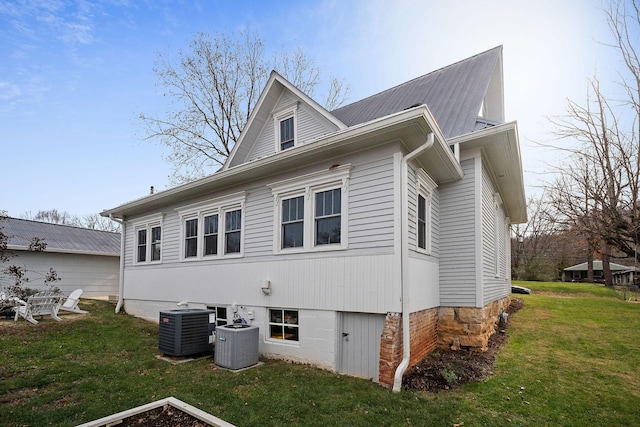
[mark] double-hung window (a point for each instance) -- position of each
(286, 133)
(156, 243)
(422, 221)
(328, 223)
(311, 211)
(232, 231)
(211, 234)
(191, 238)
(142, 245)
(425, 187)
(292, 222)
(214, 228)
(148, 240)
(285, 126)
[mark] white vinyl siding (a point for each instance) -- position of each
(496, 281)
(371, 202)
(356, 279)
(309, 123)
(458, 239)
(96, 275)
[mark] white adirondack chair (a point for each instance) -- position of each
(40, 304)
(71, 303)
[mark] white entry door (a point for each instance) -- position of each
(359, 338)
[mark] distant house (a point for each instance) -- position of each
(630, 276)
(579, 272)
(358, 240)
(82, 258)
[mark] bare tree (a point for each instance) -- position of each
(53, 216)
(17, 274)
(98, 222)
(212, 89)
(90, 221)
(535, 248)
(597, 188)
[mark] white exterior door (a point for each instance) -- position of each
(359, 348)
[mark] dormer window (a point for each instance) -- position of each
(286, 133)
(284, 123)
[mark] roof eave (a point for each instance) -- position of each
(501, 151)
(64, 251)
(410, 126)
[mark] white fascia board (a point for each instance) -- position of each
(505, 162)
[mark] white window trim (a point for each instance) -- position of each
(497, 202)
(283, 113)
(267, 336)
(215, 308)
(425, 186)
(147, 223)
(199, 211)
(308, 186)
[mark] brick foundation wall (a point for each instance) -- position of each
(469, 326)
(424, 336)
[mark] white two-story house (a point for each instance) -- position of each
(359, 239)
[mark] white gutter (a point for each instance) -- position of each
(121, 279)
(404, 259)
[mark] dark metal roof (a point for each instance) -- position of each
(453, 94)
(60, 238)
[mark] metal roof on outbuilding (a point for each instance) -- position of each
(454, 95)
(60, 238)
(597, 265)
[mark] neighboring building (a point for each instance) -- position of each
(82, 258)
(352, 238)
(580, 272)
(628, 277)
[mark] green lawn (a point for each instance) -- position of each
(572, 360)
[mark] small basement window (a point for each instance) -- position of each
(221, 315)
(283, 324)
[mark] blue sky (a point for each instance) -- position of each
(75, 74)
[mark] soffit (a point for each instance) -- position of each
(501, 153)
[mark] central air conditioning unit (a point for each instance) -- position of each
(236, 346)
(186, 331)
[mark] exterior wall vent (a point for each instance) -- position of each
(186, 331)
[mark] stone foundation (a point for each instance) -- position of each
(443, 327)
(469, 326)
(424, 335)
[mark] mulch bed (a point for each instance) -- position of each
(447, 369)
(166, 416)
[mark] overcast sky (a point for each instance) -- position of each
(74, 75)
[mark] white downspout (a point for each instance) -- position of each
(404, 259)
(121, 280)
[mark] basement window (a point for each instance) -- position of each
(283, 324)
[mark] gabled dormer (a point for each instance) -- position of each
(284, 118)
